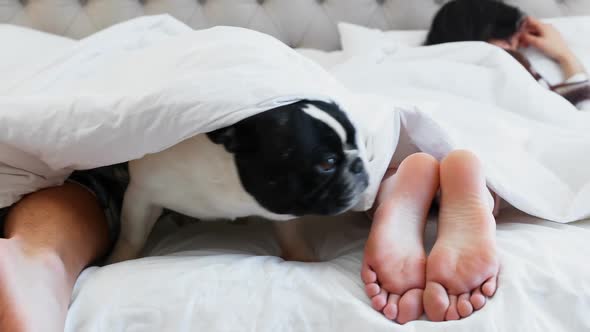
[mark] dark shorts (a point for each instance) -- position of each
(108, 184)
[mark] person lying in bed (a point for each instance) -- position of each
(507, 27)
(49, 237)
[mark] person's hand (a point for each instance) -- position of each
(546, 38)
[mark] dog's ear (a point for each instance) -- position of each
(227, 137)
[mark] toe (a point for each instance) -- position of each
(464, 307)
(410, 306)
(452, 313)
(436, 301)
(368, 275)
(379, 301)
(489, 287)
(372, 289)
(478, 300)
(391, 308)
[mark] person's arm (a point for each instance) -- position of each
(548, 40)
(571, 66)
(576, 86)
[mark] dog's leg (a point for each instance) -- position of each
(293, 245)
(137, 220)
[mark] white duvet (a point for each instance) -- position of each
(144, 85)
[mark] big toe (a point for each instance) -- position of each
(436, 301)
(410, 306)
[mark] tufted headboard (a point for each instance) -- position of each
(299, 23)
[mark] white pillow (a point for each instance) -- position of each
(358, 40)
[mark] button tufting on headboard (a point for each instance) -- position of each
(301, 23)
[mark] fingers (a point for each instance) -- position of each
(533, 25)
(522, 42)
(532, 33)
(528, 39)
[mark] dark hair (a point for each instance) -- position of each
(474, 20)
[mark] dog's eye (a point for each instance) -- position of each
(328, 164)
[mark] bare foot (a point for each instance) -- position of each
(394, 259)
(34, 290)
(462, 267)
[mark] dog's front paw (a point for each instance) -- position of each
(123, 251)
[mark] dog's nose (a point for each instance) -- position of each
(357, 166)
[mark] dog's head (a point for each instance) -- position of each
(298, 159)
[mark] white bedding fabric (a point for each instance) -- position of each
(475, 96)
(532, 142)
(143, 86)
(218, 277)
(357, 40)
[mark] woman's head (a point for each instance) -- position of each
(477, 20)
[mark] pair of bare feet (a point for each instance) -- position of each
(461, 270)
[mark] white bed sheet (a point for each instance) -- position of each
(217, 277)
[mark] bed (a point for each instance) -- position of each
(225, 277)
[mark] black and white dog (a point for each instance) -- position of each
(294, 160)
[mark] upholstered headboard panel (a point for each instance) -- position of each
(299, 23)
